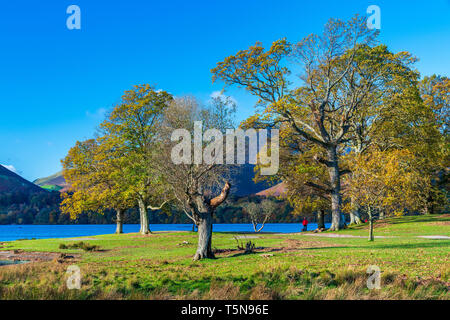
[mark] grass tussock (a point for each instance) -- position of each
(227, 291)
(30, 282)
(79, 245)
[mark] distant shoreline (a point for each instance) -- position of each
(21, 232)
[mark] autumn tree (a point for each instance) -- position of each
(397, 137)
(341, 72)
(135, 123)
(386, 183)
(194, 175)
(93, 170)
(435, 92)
(405, 121)
(305, 179)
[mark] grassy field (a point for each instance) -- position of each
(285, 266)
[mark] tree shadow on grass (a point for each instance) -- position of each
(328, 247)
(434, 244)
(285, 250)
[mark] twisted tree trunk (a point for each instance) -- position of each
(119, 221)
(204, 211)
(204, 249)
(255, 224)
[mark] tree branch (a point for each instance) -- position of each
(157, 208)
(217, 201)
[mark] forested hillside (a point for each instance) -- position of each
(23, 202)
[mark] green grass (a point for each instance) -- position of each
(51, 187)
(160, 266)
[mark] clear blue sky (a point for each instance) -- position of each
(56, 83)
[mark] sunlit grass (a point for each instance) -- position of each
(297, 266)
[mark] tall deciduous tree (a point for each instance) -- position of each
(341, 72)
(93, 170)
(435, 92)
(406, 122)
(135, 123)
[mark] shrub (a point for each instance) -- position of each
(249, 246)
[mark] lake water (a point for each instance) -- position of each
(10, 262)
(15, 232)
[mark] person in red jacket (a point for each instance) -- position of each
(305, 224)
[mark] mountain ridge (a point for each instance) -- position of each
(55, 182)
(12, 182)
(242, 181)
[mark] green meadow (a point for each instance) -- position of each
(283, 266)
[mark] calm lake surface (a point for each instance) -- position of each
(15, 232)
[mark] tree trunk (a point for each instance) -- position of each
(381, 215)
(140, 215)
(204, 249)
(355, 216)
(119, 221)
(145, 229)
(337, 222)
(343, 219)
(321, 219)
(204, 211)
(140, 221)
(429, 206)
(255, 227)
(369, 212)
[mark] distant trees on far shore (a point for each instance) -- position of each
(44, 208)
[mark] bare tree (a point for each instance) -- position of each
(193, 183)
(260, 213)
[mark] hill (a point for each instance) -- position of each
(275, 191)
(11, 182)
(23, 202)
(242, 181)
(55, 182)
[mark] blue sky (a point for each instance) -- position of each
(55, 83)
